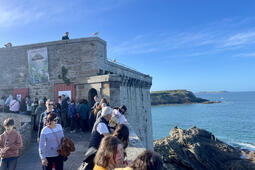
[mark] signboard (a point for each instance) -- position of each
(19, 97)
(38, 66)
(66, 93)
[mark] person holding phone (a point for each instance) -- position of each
(10, 143)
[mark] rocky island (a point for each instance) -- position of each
(198, 149)
(176, 97)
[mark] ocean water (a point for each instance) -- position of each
(232, 121)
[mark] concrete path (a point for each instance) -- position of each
(30, 160)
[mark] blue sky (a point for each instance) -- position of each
(183, 44)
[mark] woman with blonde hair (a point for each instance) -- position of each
(109, 154)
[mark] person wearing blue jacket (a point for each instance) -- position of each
(72, 116)
(83, 111)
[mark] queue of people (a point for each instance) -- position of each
(107, 145)
(109, 140)
(18, 105)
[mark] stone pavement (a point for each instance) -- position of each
(30, 160)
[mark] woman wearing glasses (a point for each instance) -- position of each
(50, 138)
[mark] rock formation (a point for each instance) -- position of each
(199, 149)
(175, 97)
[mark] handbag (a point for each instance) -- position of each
(64, 157)
(66, 147)
(88, 162)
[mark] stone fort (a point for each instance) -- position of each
(80, 69)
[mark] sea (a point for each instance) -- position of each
(231, 121)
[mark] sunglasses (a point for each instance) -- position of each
(51, 104)
(55, 120)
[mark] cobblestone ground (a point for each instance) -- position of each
(30, 160)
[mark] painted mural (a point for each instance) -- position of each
(38, 66)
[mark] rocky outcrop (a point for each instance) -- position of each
(175, 97)
(199, 149)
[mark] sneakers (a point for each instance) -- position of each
(72, 131)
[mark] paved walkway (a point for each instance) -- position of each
(30, 160)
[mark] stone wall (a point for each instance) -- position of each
(135, 146)
(119, 90)
(26, 133)
(132, 88)
(78, 56)
(88, 68)
(137, 101)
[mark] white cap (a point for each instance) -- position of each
(106, 111)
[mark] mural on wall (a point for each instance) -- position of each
(38, 66)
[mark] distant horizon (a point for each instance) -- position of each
(214, 91)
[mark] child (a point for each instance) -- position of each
(10, 143)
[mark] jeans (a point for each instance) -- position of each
(73, 121)
(33, 119)
(8, 163)
(84, 124)
(64, 118)
(58, 161)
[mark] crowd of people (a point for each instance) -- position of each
(108, 126)
(18, 105)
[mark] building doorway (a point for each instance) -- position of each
(92, 92)
(21, 93)
(61, 88)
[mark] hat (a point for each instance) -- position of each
(123, 107)
(106, 111)
(115, 120)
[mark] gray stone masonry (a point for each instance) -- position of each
(88, 68)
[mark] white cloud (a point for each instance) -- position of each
(242, 38)
(251, 54)
(210, 39)
(21, 12)
(142, 44)
(11, 14)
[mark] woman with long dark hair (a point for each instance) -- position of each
(50, 139)
(147, 160)
(122, 133)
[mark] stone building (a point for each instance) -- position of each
(79, 68)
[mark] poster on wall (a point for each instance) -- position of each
(18, 97)
(38, 66)
(66, 93)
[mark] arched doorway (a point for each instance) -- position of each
(91, 94)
